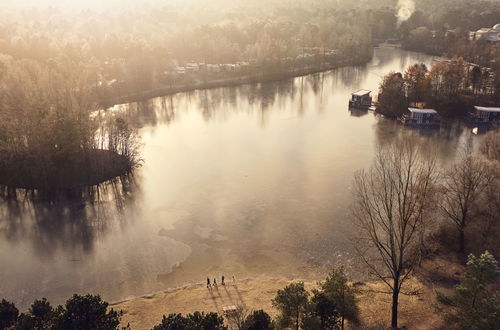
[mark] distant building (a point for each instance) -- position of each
(361, 99)
(420, 117)
(180, 70)
(490, 34)
(484, 115)
(192, 67)
(213, 68)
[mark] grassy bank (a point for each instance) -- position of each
(417, 311)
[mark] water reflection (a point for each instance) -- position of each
(64, 220)
(246, 180)
(219, 103)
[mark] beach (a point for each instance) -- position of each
(416, 307)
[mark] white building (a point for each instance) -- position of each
(490, 34)
(420, 117)
(484, 115)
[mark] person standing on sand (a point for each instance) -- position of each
(223, 280)
(208, 282)
(234, 280)
(215, 283)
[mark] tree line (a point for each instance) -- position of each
(51, 128)
(442, 29)
(452, 87)
(129, 51)
(333, 305)
(403, 200)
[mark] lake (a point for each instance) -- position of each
(242, 181)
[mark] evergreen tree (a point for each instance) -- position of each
(341, 295)
(88, 312)
(8, 314)
(474, 305)
(258, 320)
(195, 321)
(291, 302)
(392, 99)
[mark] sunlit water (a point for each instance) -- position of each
(244, 181)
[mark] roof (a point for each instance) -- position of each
(488, 109)
(415, 110)
(484, 30)
(362, 92)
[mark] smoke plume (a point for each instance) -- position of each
(405, 9)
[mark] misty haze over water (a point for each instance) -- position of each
(248, 180)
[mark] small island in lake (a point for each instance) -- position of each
(52, 134)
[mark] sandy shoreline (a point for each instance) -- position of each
(416, 310)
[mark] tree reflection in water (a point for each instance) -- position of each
(68, 220)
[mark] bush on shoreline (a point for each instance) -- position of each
(79, 312)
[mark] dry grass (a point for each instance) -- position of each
(416, 310)
(416, 306)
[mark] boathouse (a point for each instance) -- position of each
(420, 117)
(361, 99)
(484, 115)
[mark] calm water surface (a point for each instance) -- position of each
(244, 181)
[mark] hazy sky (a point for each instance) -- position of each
(82, 4)
(103, 4)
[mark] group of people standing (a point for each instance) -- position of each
(214, 282)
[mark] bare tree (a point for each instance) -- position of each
(463, 184)
(490, 205)
(490, 145)
(392, 207)
(237, 318)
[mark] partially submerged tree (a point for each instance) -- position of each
(291, 302)
(475, 305)
(392, 208)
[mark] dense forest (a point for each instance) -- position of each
(59, 66)
(130, 50)
(452, 87)
(52, 133)
(437, 30)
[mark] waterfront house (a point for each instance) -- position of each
(213, 68)
(420, 117)
(361, 99)
(180, 70)
(489, 34)
(484, 115)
